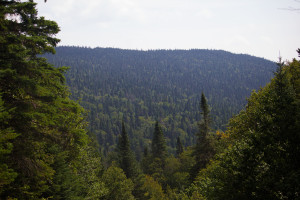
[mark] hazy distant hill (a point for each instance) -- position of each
(143, 86)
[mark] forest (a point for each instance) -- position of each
(141, 87)
(72, 124)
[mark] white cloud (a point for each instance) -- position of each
(206, 13)
(267, 40)
(246, 26)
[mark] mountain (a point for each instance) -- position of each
(165, 85)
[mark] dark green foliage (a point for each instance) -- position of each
(262, 160)
(179, 147)
(64, 183)
(203, 150)
(45, 152)
(7, 175)
(142, 86)
(42, 131)
(126, 157)
(153, 164)
(206, 118)
(158, 145)
(119, 187)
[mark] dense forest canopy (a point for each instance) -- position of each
(145, 99)
(143, 86)
(43, 137)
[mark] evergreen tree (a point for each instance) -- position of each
(203, 151)
(7, 175)
(158, 143)
(39, 114)
(262, 160)
(126, 158)
(146, 161)
(179, 147)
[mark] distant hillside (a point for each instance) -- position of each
(143, 86)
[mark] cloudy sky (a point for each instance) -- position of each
(261, 28)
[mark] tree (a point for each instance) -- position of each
(158, 143)
(179, 147)
(7, 175)
(36, 101)
(262, 160)
(153, 189)
(119, 187)
(203, 151)
(126, 158)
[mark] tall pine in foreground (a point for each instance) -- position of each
(126, 157)
(43, 133)
(203, 150)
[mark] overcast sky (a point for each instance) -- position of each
(261, 28)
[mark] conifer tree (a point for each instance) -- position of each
(158, 143)
(7, 175)
(126, 158)
(39, 113)
(203, 151)
(179, 147)
(262, 160)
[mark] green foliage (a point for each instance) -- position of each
(158, 145)
(153, 164)
(65, 183)
(187, 160)
(43, 133)
(7, 175)
(126, 157)
(176, 178)
(173, 176)
(204, 149)
(45, 152)
(261, 161)
(140, 87)
(119, 187)
(88, 168)
(179, 147)
(153, 188)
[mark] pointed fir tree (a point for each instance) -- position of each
(203, 150)
(39, 113)
(158, 143)
(126, 158)
(179, 147)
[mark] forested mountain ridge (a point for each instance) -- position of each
(46, 152)
(143, 86)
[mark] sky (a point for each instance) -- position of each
(262, 28)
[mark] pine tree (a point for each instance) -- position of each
(36, 102)
(179, 147)
(203, 151)
(7, 175)
(126, 158)
(158, 143)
